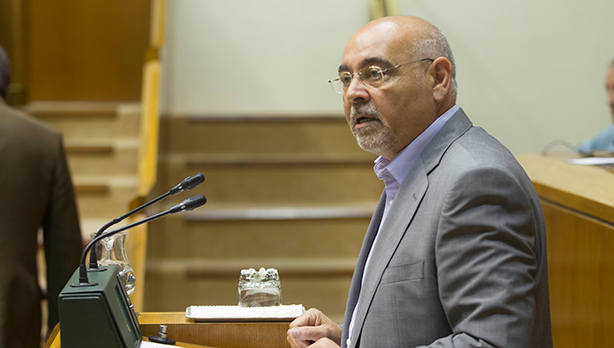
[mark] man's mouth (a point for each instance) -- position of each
(363, 120)
(364, 116)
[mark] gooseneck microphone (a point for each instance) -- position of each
(187, 205)
(102, 294)
(186, 184)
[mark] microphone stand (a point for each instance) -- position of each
(99, 313)
(186, 205)
(186, 184)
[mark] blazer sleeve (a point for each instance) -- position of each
(488, 260)
(62, 233)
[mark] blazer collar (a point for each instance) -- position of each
(456, 126)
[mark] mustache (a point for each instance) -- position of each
(364, 109)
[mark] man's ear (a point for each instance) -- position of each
(441, 72)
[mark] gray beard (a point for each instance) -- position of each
(378, 138)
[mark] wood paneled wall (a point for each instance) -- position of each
(580, 263)
(83, 50)
(578, 204)
(5, 25)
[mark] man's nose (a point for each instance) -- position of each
(357, 90)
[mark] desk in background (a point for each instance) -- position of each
(578, 204)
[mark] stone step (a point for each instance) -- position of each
(90, 226)
(100, 197)
(314, 181)
(89, 119)
(285, 232)
(253, 135)
(108, 157)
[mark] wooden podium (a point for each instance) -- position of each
(578, 204)
(235, 334)
(191, 334)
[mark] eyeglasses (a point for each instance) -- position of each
(371, 76)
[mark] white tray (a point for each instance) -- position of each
(236, 313)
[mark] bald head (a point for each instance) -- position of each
(413, 37)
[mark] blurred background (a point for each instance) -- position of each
(149, 92)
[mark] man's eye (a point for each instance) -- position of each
(373, 73)
(346, 78)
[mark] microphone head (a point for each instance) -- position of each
(188, 183)
(192, 181)
(195, 202)
(189, 204)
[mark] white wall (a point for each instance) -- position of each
(256, 56)
(528, 71)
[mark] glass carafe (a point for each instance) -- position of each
(112, 251)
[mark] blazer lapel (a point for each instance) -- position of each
(395, 226)
(355, 286)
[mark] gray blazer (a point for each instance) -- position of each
(461, 259)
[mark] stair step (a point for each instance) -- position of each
(364, 211)
(278, 182)
(89, 149)
(104, 197)
(267, 159)
(71, 109)
(228, 135)
(89, 119)
(90, 226)
(214, 268)
(84, 188)
(184, 236)
(110, 157)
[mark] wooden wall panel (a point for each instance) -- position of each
(11, 39)
(5, 26)
(581, 277)
(86, 49)
(578, 204)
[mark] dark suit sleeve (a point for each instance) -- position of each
(62, 235)
(487, 256)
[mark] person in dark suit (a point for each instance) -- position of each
(36, 191)
(455, 255)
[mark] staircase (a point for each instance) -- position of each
(101, 141)
(294, 193)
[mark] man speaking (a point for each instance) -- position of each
(455, 255)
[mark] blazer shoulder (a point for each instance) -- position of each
(459, 144)
(19, 125)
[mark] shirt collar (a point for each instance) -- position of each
(394, 171)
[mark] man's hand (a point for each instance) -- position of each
(313, 327)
